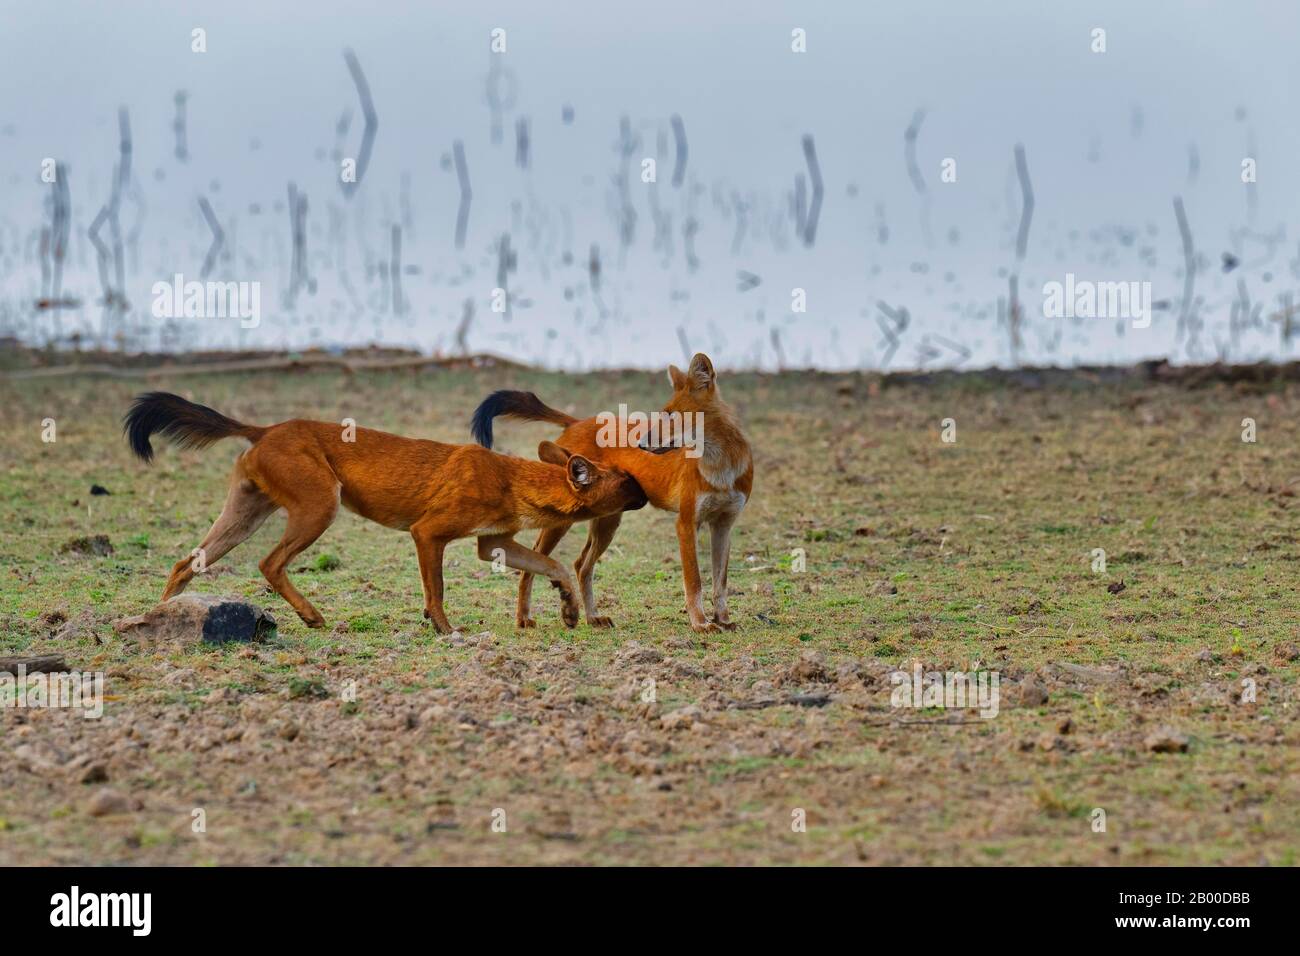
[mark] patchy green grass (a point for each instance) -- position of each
(376, 741)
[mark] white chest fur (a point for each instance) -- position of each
(719, 470)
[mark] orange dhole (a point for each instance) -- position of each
(710, 489)
(436, 492)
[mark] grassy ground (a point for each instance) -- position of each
(974, 554)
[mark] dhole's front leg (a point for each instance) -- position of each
(429, 549)
(547, 539)
(523, 559)
(691, 569)
(720, 542)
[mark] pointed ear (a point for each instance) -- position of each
(701, 371)
(676, 378)
(581, 472)
(552, 453)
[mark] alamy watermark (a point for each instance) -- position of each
(1084, 299)
(179, 299)
(75, 689)
(75, 908)
(654, 430)
(948, 690)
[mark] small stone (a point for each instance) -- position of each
(1287, 651)
(94, 773)
(106, 802)
(634, 652)
(1090, 675)
(681, 719)
(1166, 740)
(1032, 693)
(1065, 726)
(434, 714)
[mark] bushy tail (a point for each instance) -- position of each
(185, 423)
(523, 405)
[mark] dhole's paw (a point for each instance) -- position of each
(600, 621)
(568, 608)
(439, 628)
(725, 625)
(705, 627)
(316, 621)
(525, 622)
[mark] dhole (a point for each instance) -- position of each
(436, 492)
(710, 489)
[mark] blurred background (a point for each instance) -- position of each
(799, 214)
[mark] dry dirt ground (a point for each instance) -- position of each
(1162, 691)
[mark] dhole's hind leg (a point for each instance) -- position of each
(429, 548)
(546, 542)
(599, 534)
(245, 510)
(530, 562)
(310, 512)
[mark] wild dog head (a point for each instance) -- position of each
(695, 397)
(599, 491)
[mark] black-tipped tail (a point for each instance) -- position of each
(523, 405)
(183, 422)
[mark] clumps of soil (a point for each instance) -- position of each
(810, 668)
(97, 546)
(60, 627)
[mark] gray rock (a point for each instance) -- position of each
(189, 621)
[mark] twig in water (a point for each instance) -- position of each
(395, 270)
(685, 344)
(218, 236)
(466, 194)
(371, 118)
(679, 135)
(507, 262)
(910, 136)
(522, 142)
(815, 177)
(462, 330)
(1189, 263)
(179, 126)
(780, 352)
(1027, 202)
